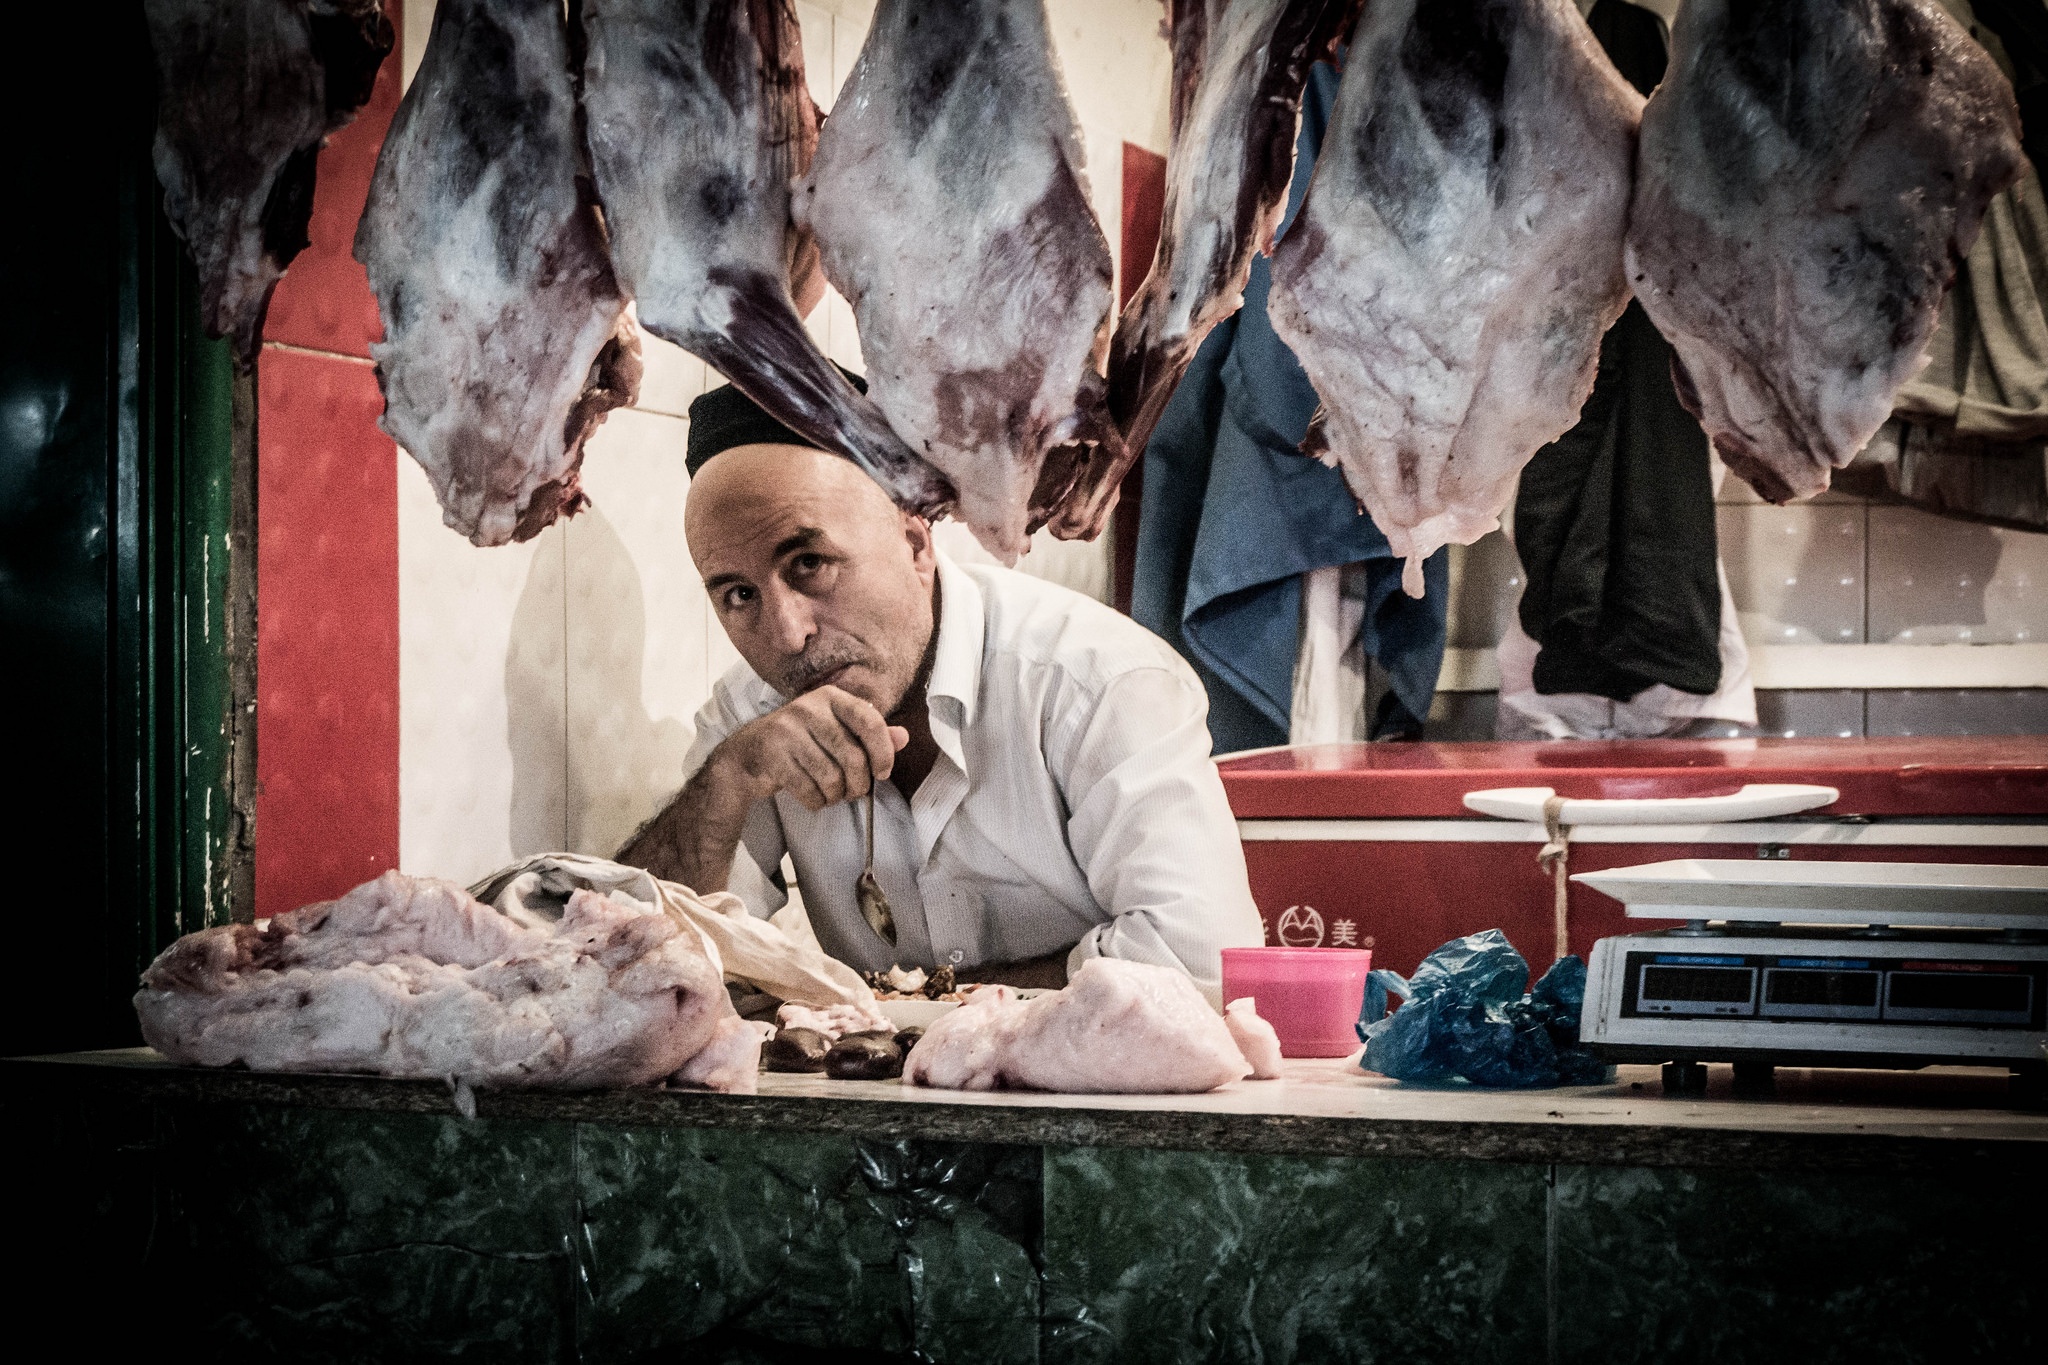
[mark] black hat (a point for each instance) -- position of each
(725, 417)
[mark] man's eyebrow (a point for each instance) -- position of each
(801, 539)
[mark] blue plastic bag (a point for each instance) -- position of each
(1465, 1017)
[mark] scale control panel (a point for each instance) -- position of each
(1915, 989)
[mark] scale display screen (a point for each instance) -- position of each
(1934, 996)
(1697, 988)
(1764, 986)
(1850, 991)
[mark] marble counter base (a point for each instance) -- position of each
(1817, 1119)
(186, 1214)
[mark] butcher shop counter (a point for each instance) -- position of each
(1328, 1215)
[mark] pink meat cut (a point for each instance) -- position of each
(1458, 256)
(699, 120)
(247, 90)
(949, 207)
(1812, 172)
(505, 335)
(1118, 1028)
(1238, 71)
(834, 1021)
(1254, 1037)
(412, 977)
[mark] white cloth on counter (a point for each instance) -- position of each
(1073, 801)
(534, 892)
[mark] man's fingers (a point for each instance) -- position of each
(847, 755)
(866, 725)
(810, 774)
(828, 746)
(829, 721)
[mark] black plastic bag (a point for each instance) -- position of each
(1465, 1017)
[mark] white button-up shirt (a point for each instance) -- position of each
(1073, 803)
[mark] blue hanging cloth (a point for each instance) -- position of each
(1233, 514)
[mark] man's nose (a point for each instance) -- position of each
(790, 621)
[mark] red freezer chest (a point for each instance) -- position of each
(1357, 845)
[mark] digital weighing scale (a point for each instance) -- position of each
(1818, 964)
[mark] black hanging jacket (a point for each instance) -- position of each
(1615, 519)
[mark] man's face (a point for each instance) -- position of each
(815, 574)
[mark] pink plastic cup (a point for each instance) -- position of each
(1311, 996)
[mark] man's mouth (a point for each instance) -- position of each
(832, 679)
(827, 674)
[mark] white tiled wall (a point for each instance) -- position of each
(1947, 582)
(480, 657)
(1797, 572)
(1836, 571)
(547, 689)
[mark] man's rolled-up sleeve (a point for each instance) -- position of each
(1152, 830)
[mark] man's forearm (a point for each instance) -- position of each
(693, 841)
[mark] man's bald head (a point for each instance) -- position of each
(754, 479)
(816, 575)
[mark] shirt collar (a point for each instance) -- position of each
(956, 662)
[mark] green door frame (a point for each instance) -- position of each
(127, 590)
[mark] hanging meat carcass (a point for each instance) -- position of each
(505, 335)
(1458, 256)
(247, 90)
(950, 210)
(1238, 71)
(699, 121)
(1811, 173)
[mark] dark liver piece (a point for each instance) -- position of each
(865, 1057)
(795, 1049)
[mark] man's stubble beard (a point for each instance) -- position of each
(806, 671)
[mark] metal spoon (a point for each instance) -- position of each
(874, 906)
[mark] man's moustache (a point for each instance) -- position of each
(805, 674)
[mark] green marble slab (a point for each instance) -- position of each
(814, 1241)
(1714, 1266)
(1186, 1257)
(79, 1203)
(338, 1235)
(277, 1229)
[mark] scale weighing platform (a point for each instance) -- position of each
(1817, 964)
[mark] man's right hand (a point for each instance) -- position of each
(824, 747)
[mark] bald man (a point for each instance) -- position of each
(1044, 791)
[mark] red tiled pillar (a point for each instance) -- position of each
(327, 553)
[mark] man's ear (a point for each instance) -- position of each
(923, 549)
